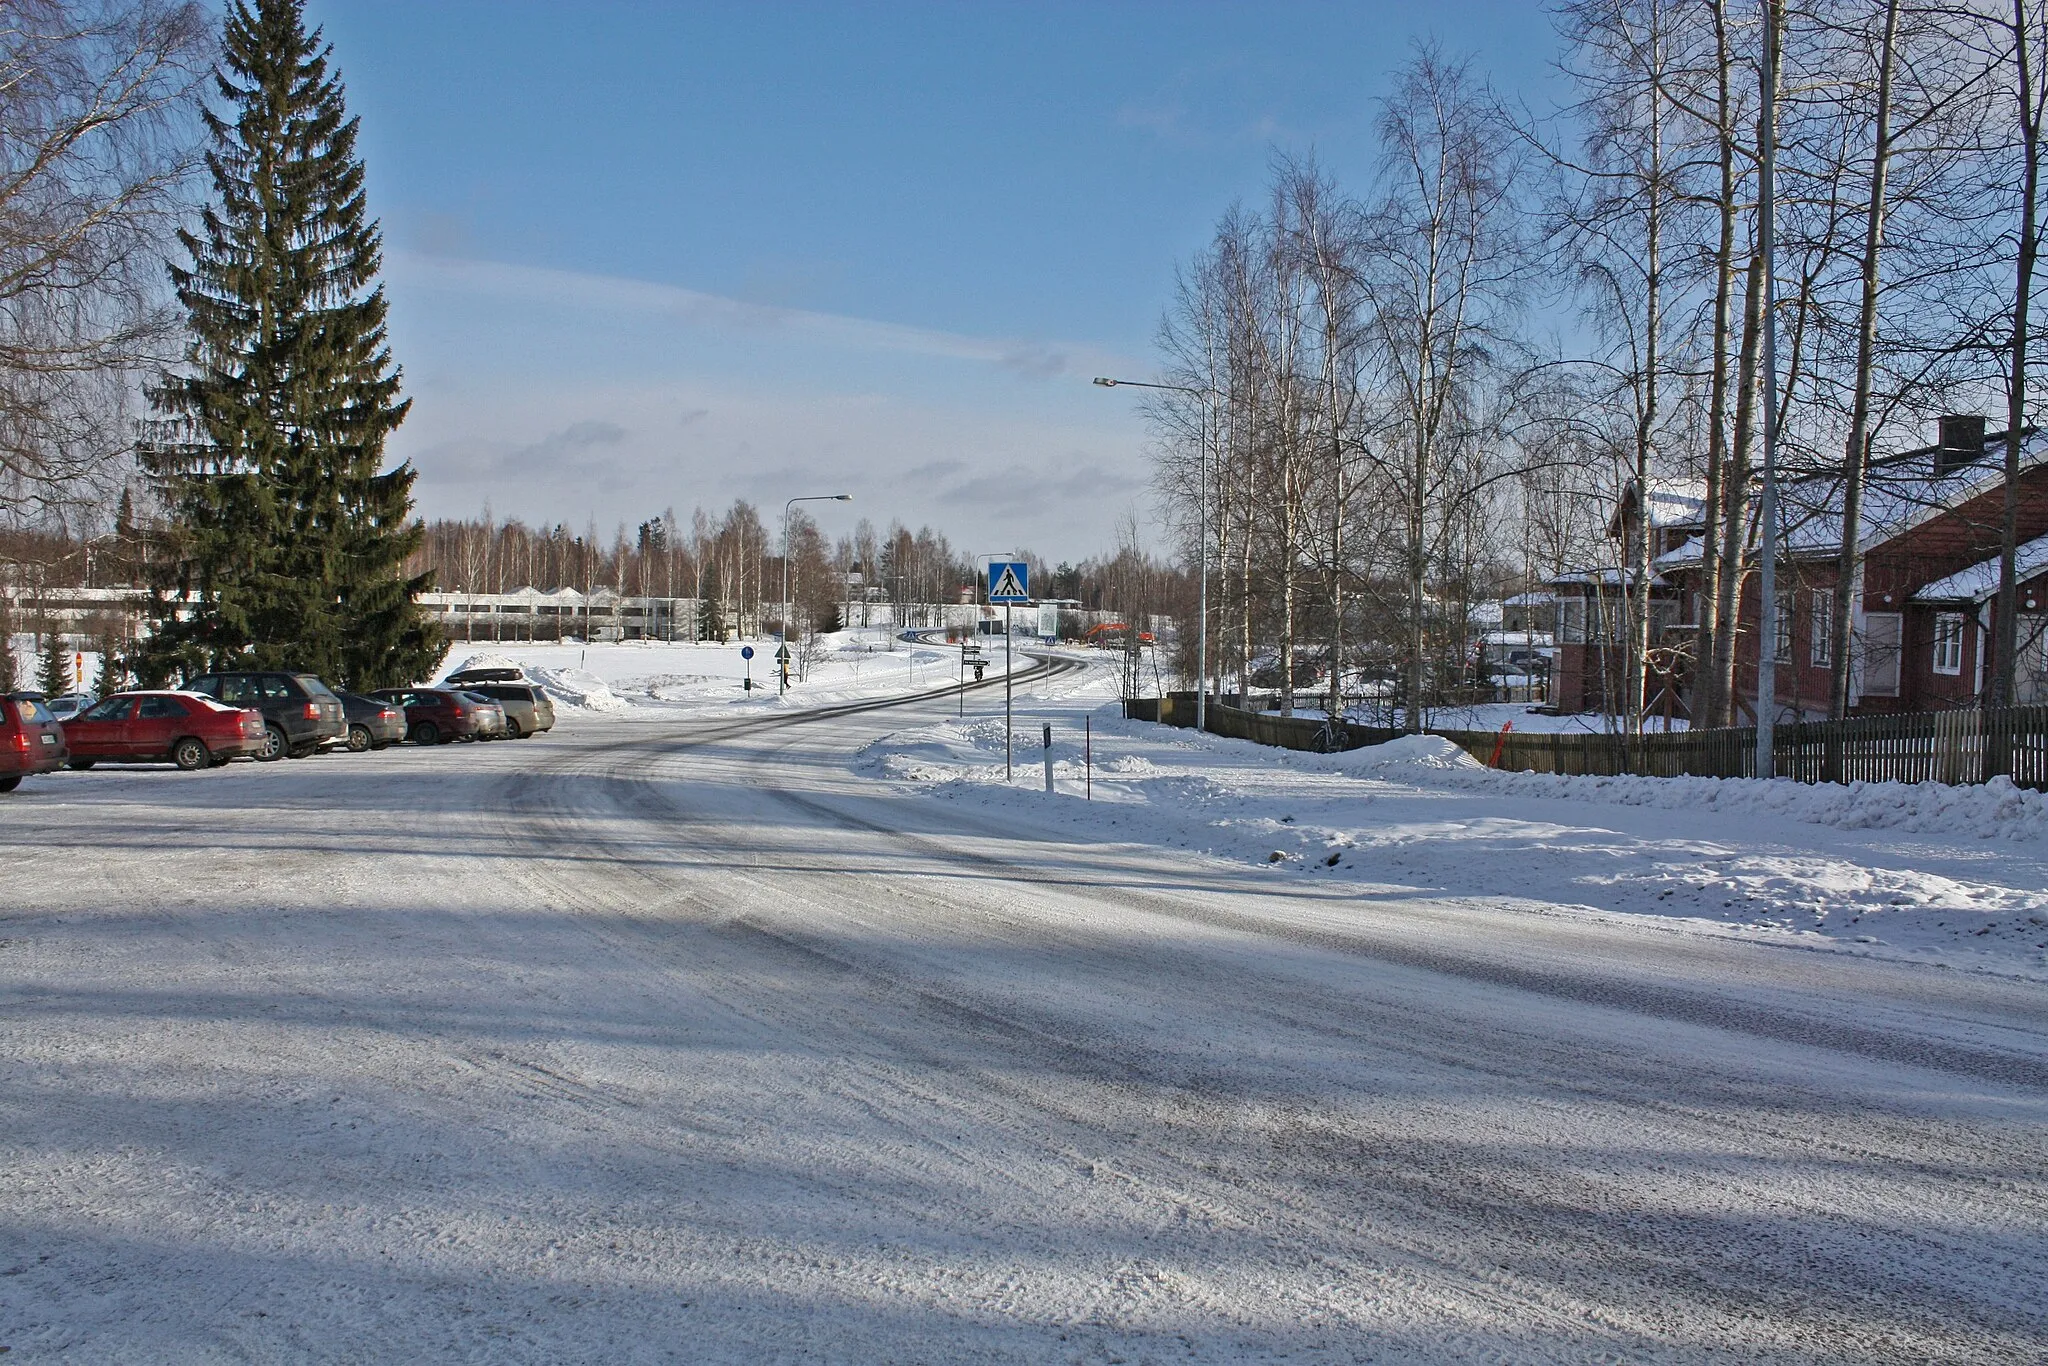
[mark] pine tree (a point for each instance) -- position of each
(711, 620)
(283, 521)
(113, 674)
(54, 675)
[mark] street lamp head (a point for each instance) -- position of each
(1105, 383)
(842, 497)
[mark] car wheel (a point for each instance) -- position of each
(426, 733)
(81, 765)
(275, 745)
(191, 754)
(10, 782)
(359, 739)
(512, 731)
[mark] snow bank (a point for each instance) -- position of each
(486, 660)
(1996, 810)
(1408, 752)
(578, 688)
(1777, 862)
(575, 688)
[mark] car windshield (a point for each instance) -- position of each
(315, 686)
(28, 709)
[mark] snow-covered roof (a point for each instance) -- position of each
(1692, 551)
(1606, 578)
(1676, 502)
(1667, 503)
(1533, 598)
(1980, 581)
(1900, 493)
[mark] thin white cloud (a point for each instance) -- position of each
(613, 294)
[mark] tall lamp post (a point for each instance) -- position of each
(782, 663)
(1207, 396)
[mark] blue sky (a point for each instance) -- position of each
(652, 255)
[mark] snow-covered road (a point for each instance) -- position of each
(678, 1039)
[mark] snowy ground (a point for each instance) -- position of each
(733, 1034)
(1951, 876)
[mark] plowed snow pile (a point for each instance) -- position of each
(1955, 875)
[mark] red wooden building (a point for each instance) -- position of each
(1922, 617)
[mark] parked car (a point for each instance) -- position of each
(372, 722)
(31, 740)
(490, 714)
(527, 708)
(435, 716)
(300, 713)
(189, 729)
(69, 705)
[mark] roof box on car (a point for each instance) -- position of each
(488, 675)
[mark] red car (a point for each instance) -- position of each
(190, 729)
(434, 716)
(31, 740)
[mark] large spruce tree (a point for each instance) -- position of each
(287, 538)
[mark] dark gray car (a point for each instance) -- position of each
(372, 724)
(300, 713)
(527, 708)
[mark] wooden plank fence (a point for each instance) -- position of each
(1961, 746)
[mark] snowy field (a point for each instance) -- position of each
(718, 1031)
(679, 679)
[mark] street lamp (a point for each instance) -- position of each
(1202, 632)
(782, 663)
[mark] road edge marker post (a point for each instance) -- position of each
(1499, 744)
(1048, 756)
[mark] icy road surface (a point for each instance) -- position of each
(675, 1039)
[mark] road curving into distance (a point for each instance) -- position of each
(678, 1040)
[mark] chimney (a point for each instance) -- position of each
(1962, 442)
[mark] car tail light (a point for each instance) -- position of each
(21, 740)
(312, 711)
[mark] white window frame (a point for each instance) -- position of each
(1787, 619)
(1821, 619)
(1948, 643)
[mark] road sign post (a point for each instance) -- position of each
(1009, 583)
(747, 653)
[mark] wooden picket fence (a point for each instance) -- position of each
(1962, 746)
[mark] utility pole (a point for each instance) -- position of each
(1007, 738)
(1767, 232)
(1207, 396)
(782, 655)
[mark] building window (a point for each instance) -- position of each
(1948, 642)
(1784, 640)
(1822, 622)
(1571, 621)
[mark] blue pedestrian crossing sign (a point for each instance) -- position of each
(1009, 581)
